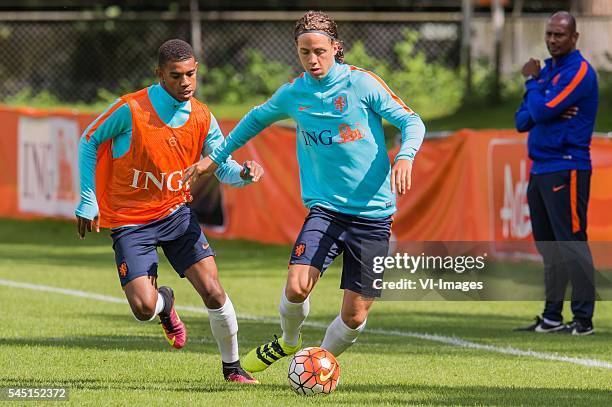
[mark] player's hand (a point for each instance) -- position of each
(401, 176)
(195, 171)
(87, 225)
(531, 68)
(569, 112)
(251, 170)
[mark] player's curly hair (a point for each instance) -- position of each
(173, 51)
(319, 21)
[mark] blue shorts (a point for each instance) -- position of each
(179, 236)
(326, 234)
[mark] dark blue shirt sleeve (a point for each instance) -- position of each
(572, 85)
(522, 119)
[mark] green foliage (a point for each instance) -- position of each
(429, 87)
(358, 56)
(483, 77)
(258, 81)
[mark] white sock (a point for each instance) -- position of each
(292, 316)
(339, 337)
(225, 330)
(159, 306)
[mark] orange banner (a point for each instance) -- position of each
(470, 185)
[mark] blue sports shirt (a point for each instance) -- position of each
(341, 149)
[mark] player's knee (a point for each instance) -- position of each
(215, 299)
(142, 310)
(296, 293)
(212, 293)
(354, 319)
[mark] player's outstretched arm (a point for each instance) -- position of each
(227, 172)
(195, 171)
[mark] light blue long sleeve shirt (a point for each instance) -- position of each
(118, 127)
(341, 149)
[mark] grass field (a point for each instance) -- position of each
(94, 346)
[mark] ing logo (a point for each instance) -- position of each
(347, 134)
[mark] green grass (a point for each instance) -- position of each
(105, 357)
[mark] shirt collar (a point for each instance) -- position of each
(565, 59)
(164, 97)
(334, 73)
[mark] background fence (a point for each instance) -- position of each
(74, 60)
(86, 59)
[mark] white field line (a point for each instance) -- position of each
(448, 340)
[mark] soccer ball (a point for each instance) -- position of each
(312, 371)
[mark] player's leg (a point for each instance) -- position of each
(316, 246)
(144, 300)
(344, 330)
(136, 257)
(555, 275)
(293, 309)
(222, 317)
(295, 301)
(365, 240)
(192, 257)
(568, 210)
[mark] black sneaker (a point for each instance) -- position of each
(541, 327)
(578, 328)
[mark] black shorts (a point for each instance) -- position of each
(179, 236)
(326, 234)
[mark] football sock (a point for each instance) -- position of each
(339, 337)
(159, 305)
(292, 316)
(225, 330)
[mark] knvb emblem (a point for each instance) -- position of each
(123, 269)
(299, 249)
(340, 103)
